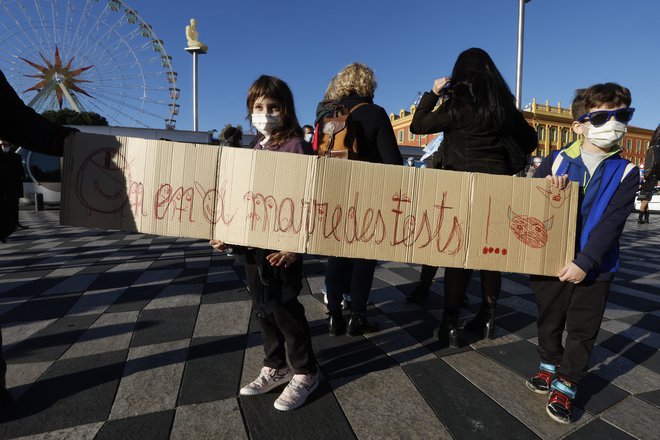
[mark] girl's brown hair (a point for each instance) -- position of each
(274, 88)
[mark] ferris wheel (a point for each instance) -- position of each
(88, 55)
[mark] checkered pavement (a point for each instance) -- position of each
(116, 335)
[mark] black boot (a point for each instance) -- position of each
(483, 321)
(640, 219)
(336, 324)
(419, 294)
(423, 288)
(448, 332)
(359, 325)
(646, 215)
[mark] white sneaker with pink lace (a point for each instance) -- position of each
(268, 379)
(295, 394)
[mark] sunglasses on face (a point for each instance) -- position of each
(600, 117)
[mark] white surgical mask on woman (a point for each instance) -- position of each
(308, 137)
(266, 123)
(607, 135)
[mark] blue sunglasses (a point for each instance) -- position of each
(600, 117)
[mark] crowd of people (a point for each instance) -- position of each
(476, 112)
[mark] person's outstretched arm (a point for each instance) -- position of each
(22, 126)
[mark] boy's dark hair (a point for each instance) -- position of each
(599, 95)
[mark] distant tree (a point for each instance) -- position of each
(67, 116)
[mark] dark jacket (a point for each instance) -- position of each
(12, 175)
(22, 126)
(470, 144)
(373, 129)
(294, 145)
(606, 200)
(651, 168)
(271, 286)
(10, 191)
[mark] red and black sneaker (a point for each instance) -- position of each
(560, 403)
(540, 382)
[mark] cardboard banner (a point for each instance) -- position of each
(320, 206)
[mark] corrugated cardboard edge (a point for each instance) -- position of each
(314, 173)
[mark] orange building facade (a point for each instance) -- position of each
(553, 126)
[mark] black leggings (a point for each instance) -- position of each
(353, 275)
(427, 275)
(456, 284)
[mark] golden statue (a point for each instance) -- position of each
(193, 37)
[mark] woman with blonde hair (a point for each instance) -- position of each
(354, 87)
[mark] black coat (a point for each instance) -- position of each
(16, 172)
(471, 144)
(271, 286)
(11, 189)
(22, 126)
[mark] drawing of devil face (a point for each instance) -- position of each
(555, 196)
(530, 231)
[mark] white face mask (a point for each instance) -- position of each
(308, 137)
(266, 123)
(607, 135)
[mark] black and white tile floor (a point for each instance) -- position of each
(111, 335)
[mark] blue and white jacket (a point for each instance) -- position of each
(606, 200)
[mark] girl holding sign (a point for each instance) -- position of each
(275, 277)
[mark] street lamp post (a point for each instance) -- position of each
(521, 31)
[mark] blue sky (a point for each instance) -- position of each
(568, 44)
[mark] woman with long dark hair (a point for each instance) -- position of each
(477, 115)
